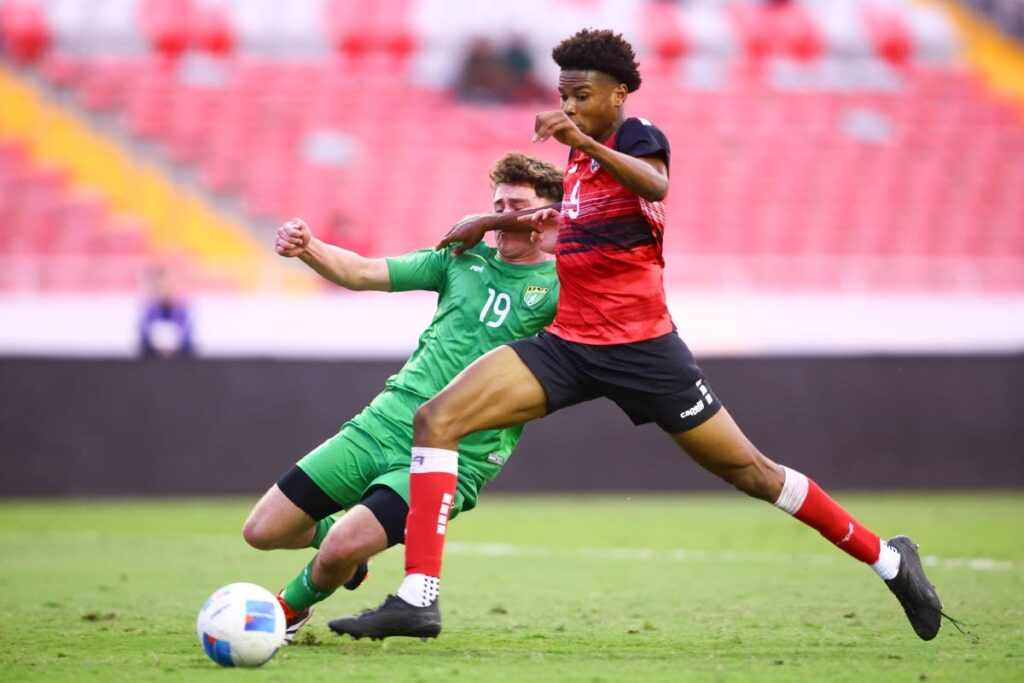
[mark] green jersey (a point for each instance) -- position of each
(482, 303)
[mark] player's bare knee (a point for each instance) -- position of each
(337, 553)
(434, 424)
(257, 534)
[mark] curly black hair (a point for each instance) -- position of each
(602, 51)
(516, 168)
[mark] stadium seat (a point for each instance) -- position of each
(834, 148)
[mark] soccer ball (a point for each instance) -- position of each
(241, 624)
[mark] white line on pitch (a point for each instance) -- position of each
(682, 555)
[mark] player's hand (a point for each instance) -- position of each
(292, 238)
(546, 239)
(467, 232)
(555, 124)
(546, 223)
(542, 218)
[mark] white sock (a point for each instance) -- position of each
(794, 492)
(888, 564)
(419, 590)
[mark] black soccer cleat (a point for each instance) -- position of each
(362, 573)
(293, 624)
(912, 588)
(394, 617)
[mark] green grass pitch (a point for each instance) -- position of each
(615, 588)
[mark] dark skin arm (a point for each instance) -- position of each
(471, 229)
(645, 176)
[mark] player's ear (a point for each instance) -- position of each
(619, 94)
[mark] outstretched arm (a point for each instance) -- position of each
(645, 176)
(340, 266)
(471, 229)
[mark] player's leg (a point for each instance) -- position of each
(504, 387)
(335, 475)
(665, 385)
(369, 528)
(276, 522)
(720, 446)
(672, 391)
(298, 511)
(498, 390)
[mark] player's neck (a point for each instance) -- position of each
(610, 131)
(528, 260)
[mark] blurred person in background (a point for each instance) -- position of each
(498, 76)
(165, 327)
(483, 79)
(612, 337)
(487, 297)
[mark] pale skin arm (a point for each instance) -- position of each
(645, 176)
(342, 267)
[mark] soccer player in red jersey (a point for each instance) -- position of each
(612, 336)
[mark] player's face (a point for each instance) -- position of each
(592, 100)
(518, 245)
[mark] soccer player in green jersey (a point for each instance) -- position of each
(486, 297)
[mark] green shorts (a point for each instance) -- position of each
(374, 449)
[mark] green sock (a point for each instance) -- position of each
(322, 527)
(302, 592)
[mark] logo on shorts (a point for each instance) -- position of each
(534, 295)
(495, 459)
(696, 409)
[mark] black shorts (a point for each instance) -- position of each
(387, 506)
(656, 380)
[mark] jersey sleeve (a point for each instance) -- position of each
(641, 138)
(422, 269)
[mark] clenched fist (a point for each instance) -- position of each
(292, 238)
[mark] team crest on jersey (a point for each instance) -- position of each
(534, 295)
(594, 165)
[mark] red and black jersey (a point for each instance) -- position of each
(609, 253)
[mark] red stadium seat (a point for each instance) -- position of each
(211, 31)
(24, 33)
(888, 32)
(664, 31)
(167, 24)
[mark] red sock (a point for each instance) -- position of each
(432, 479)
(805, 500)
